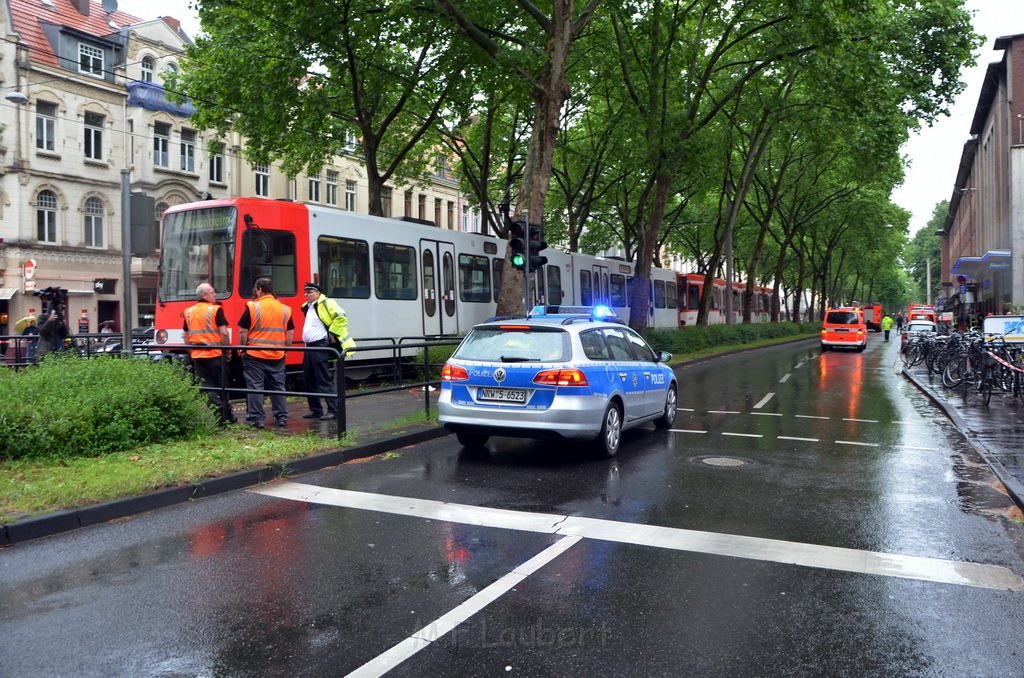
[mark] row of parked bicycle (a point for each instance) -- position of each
(969, 360)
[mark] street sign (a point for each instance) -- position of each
(963, 289)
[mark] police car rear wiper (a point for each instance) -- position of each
(516, 359)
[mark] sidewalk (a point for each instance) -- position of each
(370, 419)
(995, 431)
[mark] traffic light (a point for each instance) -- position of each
(537, 245)
(517, 243)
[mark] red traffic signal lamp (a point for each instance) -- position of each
(537, 245)
(517, 243)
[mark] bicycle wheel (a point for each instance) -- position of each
(951, 374)
(985, 385)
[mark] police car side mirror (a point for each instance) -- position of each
(664, 356)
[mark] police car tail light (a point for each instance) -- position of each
(454, 373)
(561, 378)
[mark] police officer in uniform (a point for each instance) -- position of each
(266, 328)
(206, 327)
(326, 325)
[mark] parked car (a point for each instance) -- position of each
(573, 375)
(913, 328)
(844, 327)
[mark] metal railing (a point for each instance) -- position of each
(90, 345)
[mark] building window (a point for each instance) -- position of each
(217, 168)
(351, 141)
(188, 150)
(332, 187)
(147, 69)
(385, 201)
(314, 189)
(46, 125)
(169, 69)
(93, 136)
(451, 215)
(350, 195)
(94, 222)
(90, 60)
(440, 168)
(437, 211)
(422, 214)
(408, 203)
(46, 217)
(161, 144)
(262, 180)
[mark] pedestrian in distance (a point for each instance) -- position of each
(886, 326)
(53, 334)
(265, 328)
(899, 322)
(206, 328)
(326, 325)
(31, 331)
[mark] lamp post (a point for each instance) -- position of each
(18, 98)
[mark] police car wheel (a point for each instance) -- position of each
(668, 415)
(607, 443)
(471, 440)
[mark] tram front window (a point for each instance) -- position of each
(198, 246)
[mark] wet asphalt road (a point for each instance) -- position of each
(423, 561)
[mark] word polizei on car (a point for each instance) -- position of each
(573, 373)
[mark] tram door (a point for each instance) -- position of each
(437, 287)
(602, 290)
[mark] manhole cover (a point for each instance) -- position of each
(723, 461)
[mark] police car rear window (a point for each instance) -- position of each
(514, 344)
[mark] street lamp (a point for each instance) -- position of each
(17, 97)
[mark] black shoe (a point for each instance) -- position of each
(256, 424)
(281, 423)
(328, 417)
(312, 415)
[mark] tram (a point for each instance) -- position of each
(397, 280)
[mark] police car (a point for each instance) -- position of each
(560, 373)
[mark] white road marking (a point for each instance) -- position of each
(446, 623)
(736, 546)
(685, 409)
(743, 435)
(768, 414)
(763, 401)
(722, 412)
(785, 378)
(866, 421)
(854, 442)
(685, 430)
(806, 440)
(920, 449)
(808, 416)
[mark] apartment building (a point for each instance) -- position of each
(983, 234)
(87, 123)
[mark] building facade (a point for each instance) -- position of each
(86, 122)
(983, 234)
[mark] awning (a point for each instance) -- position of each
(7, 292)
(977, 267)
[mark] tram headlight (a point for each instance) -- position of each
(160, 336)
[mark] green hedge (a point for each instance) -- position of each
(695, 339)
(67, 406)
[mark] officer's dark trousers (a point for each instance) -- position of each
(316, 375)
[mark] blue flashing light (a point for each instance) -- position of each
(603, 312)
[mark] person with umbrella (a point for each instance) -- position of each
(29, 328)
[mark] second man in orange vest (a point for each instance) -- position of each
(266, 327)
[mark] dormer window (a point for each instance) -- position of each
(90, 60)
(147, 69)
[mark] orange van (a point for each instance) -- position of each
(844, 326)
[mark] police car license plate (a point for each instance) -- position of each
(503, 395)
